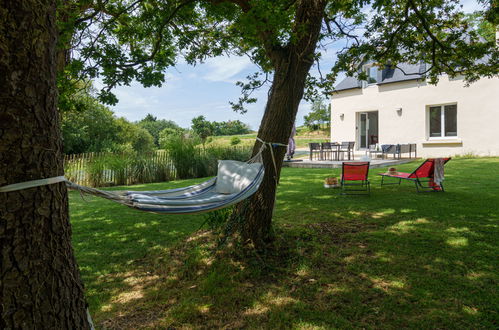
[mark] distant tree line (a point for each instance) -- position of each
(89, 126)
(155, 126)
(214, 128)
(201, 129)
(319, 116)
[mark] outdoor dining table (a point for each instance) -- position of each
(333, 149)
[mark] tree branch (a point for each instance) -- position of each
(342, 31)
(392, 35)
(425, 24)
(159, 39)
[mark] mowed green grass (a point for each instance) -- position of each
(395, 259)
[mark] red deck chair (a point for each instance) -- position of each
(356, 172)
(424, 171)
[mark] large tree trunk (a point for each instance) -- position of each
(40, 285)
(292, 64)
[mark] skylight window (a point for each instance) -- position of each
(372, 74)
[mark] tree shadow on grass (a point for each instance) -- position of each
(108, 237)
(345, 275)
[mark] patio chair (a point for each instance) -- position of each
(405, 149)
(374, 150)
(347, 147)
(329, 151)
(358, 173)
(424, 174)
(413, 148)
(387, 149)
(398, 149)
(402, 149)
(315, 149)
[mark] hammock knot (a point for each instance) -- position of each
(272, 145)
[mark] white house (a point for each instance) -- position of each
(396, 106)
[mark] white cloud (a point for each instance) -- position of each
(223, 69)
(135, 101)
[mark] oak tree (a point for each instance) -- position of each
(40, 286)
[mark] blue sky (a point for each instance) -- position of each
(206, 89)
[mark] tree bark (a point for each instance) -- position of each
(292, 64)
(40, 285)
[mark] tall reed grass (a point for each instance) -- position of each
(184, 158)
(191, 160)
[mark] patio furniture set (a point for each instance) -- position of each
(339, 151)
(331, 150)
(427, 177)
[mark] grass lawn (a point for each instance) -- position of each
(395, 259)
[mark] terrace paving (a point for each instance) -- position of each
(302, 160)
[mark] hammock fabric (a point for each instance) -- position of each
(189, 200)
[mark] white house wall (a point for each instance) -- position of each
(477, 115)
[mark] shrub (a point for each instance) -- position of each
(72, 171)
(95, 171)
(166, 134)
(193, 161)
(162, 170)
(119, 164)
(235, 141)
(186, 156)
(143, 141)
(215, 153)
(149, 167)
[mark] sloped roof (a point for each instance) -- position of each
(403, 72)
(389, 74)
(348, 83)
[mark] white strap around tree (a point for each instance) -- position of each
(32, 184)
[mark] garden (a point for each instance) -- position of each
(394, 259)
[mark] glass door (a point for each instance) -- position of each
(372, 128)
(363, 130)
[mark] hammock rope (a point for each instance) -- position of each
(188, 200)
(271, 146)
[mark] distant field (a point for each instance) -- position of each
(224, 140)
(302, 142)
(302, 139)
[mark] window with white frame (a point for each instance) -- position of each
(442, 121)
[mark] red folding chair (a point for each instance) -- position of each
(424, 174)
(354, 179)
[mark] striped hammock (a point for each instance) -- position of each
(189, 200)
(203, 197)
